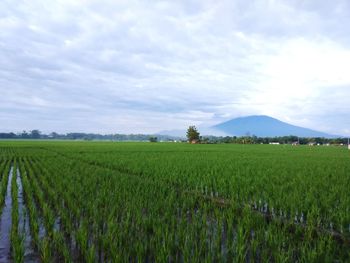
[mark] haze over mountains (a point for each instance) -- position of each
(258, 125)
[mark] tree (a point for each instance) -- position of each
(35, 134)
(192, 134)
(24, 135)
(153, 139)
(54, 135)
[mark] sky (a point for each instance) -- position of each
(146, 66)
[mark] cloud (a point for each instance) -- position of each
(145, 66)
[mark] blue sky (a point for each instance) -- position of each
(145, 66)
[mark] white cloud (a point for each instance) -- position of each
(135, 66)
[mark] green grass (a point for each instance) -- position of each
(180, 202)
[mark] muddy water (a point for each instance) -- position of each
(5, 224)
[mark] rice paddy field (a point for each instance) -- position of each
(173, 202)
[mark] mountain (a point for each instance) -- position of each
(265, 126)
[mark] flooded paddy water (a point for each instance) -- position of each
(5, 223)
(30, 255)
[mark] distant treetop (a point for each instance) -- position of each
(192, 134)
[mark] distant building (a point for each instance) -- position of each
(295, 143)
(274, 143)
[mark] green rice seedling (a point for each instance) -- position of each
(4, 182)
(61, 249)
(45, 250)
(90, 255)
(17, 248)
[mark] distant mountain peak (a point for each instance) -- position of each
(265, 126)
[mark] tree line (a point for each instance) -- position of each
(36, 134)
(267, 140)
(192, 135)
